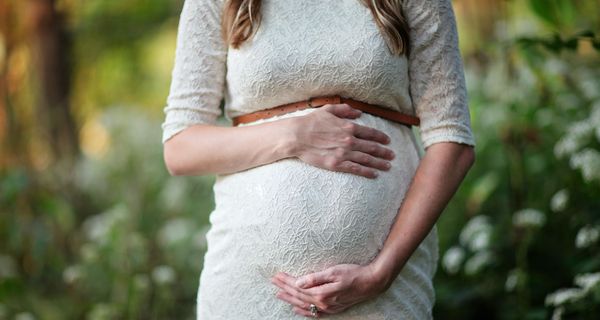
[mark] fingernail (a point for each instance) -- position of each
(375, 174)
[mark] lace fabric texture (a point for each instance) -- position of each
(293, 217)
(314, 47)
(290, 216)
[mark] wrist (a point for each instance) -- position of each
(287, 142)
(383, 275)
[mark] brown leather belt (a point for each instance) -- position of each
(316, 102)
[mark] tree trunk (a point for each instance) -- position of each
(50, 50)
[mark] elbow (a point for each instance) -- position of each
(182, 157)
(173, 171)
(171, 159)
(177, 162)
(468, 156)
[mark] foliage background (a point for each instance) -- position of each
(93, 227)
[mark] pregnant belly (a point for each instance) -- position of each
(289, 215)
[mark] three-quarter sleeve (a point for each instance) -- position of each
(436, 74)
(198, 76)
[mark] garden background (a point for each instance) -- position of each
(92, 226)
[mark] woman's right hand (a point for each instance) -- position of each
(323, 138)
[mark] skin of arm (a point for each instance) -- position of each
(226, 149)
(324, 138)
(438, 176)
(437, 179)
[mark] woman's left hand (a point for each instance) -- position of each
(332, 290)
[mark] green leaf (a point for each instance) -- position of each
(557, 13)
(544, 10)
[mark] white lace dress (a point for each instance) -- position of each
(290, 216)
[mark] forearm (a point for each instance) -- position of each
(209, 149)
(437, 178)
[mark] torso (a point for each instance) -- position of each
(293, 217)
(312, 48)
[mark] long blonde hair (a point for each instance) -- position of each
(241, 19)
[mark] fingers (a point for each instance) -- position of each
(300, 307)
(360, 163)
(291, 290)
(301, 298)
(294, 301)
(346, 146)
(345, 111)
(355, 168)
(342, 110)
(300, 301)
(360, 157)
(368, 160)
(373, 148)
(302, 312)
(367, 133)
(306, 313)
(314, 279)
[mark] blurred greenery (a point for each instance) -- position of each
(92, 226)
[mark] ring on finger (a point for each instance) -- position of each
(314, 311)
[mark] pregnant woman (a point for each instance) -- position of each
(325, 203)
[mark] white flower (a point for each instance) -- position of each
(565, 145)
(576, 136)
(453, 258)
(512, 279)
(173, 194)
(587, 281)
(163, 275)
(587, 236)
(175, 231)
(98, 227)
(24, 316)
(558, 313)
(72, 273)
(481, 240)
(588, 162)
(477, 233)
(559, 200)
(477, 262)
(529, 218)
(564, 295)
(556, 66)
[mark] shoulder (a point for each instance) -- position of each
(421, 9)
(429, 16)
(205, 4)
(203, 10)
